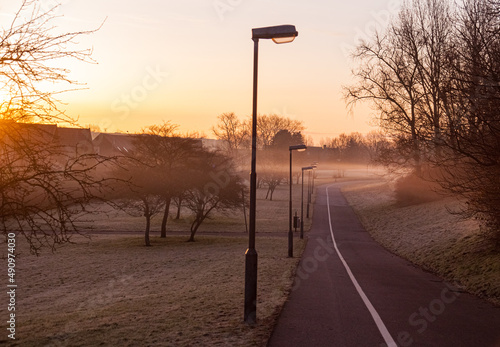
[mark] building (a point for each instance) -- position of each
(116, 144)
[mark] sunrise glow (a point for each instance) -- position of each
(188, 62)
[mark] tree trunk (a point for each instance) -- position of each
(147, 214)
(415, 145)
(194, 227)
(165, 217)
(146, 234)
(437, 142)
(179, 205)
(259, 183)
(272, 192)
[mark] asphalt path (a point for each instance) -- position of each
(350, 291)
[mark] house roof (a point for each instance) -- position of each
(43, 133)
(73, 136)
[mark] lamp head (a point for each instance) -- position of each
(279, 34)
(299, 148)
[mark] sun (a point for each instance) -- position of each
(6, 102)
(5, 93)
(5, 99)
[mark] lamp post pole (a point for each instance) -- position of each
(290, 233)
(314, 167)
(279, 34)
(250, 315)
(302, 203)
(302, 208)
(308, 192)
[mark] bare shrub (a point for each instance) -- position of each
(412, 190)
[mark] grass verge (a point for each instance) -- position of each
(429, 236)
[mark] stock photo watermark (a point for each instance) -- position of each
(123, 105)
(380, 20)
(52, 5)
(420, 320)
(310, 264)
(220, 180)
(221, 7)
(11, 285)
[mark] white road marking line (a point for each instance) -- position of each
(376, 317)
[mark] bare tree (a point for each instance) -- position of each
(402, 72)
(387, 77)
(269, 125)
(471, 165)
(377, 145)
(434, 78)
(28, 50)
(42, 188)
(273, 169)
(234, 132)
(139, 191)
(215, 186)
(179, 202)
(170, 155)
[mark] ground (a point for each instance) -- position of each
(430, 236)
(112, 290)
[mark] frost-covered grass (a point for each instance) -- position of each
(428, 235)
(113, 291)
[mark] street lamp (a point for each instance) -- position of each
(299, 148)
(279, 34)
(302, 202)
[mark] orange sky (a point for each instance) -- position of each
(189, 61)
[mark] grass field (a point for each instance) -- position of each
(112, 290)
(429, 236)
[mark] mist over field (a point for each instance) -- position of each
(200, 224)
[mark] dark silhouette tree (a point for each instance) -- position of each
(433, 77)
(387, 77)
(471, 164)
(169, 154)
(280, 144)
(273, 169)
(284, 138)
(402, 72)
(138, 191)
(268, 126)
(215, 187)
